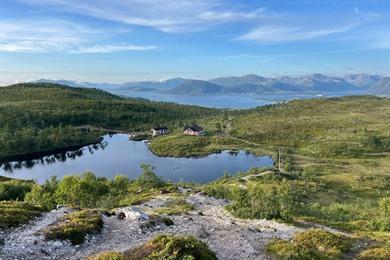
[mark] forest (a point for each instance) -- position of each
(43, 116)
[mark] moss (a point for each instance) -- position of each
(378, 253)
(108, 255)
(14, 213)
(155, 221)
(172, 247)
(175, 206)
(311, 244)
(75, 226)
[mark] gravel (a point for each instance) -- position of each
(229, 237)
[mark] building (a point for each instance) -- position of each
(159, 131)
(193, 130)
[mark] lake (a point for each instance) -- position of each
(118, 155)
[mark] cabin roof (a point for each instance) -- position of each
(194, 128)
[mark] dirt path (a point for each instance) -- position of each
(229, 237)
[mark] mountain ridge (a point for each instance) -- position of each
(249, 84)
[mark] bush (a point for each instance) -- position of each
(82, 191)
(259, 201)
(75, 226)
(218, 190)
(39, 195)
(382, 222)
(14, 189)
(148, 179)
(311, 244)
(172, 247)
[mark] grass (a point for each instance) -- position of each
(14, 213)
(377, 253)
(310, 244)
(75, 226)
(107, 255)
(179, 145)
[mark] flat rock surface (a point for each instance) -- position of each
(229, 237)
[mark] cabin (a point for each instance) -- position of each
(159, 131)
(193, 130)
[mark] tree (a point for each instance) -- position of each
(148, 179)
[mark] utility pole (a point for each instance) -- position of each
(279, 159)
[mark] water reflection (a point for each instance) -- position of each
(10, 166)
(118, 155)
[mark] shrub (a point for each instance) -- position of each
(148, 179)
(83, 191)
(259, 201)
(14, 189)
(218, 190)
(38, 195)
(172, 247)
(75, 226)
(311, 244)
(382, 221)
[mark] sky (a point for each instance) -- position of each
(130, 40)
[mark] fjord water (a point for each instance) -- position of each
(237, 101)
(117, 155)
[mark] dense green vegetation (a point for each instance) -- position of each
(43, 116)
(163, 247)
(311, 244)
(23, 200)
(89, 191)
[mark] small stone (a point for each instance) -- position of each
(59, 207)
(121, 215)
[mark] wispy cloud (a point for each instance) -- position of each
(112, 48)
(282, 33)
(162, 15)
(51, 35)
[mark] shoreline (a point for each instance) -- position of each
(37, 155)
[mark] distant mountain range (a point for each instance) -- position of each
(251, 84)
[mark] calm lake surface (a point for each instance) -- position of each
(117, 155)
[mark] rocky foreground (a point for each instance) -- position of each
(229, 237)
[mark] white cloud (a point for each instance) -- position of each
(162, 15)
(52, 35)
(112, 48)
(278, 33)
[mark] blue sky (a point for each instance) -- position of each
(125, 40)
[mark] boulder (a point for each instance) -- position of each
(134, 213)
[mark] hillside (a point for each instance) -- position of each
(197, 87)
(335, 156)
(382, 87)
(42, 116)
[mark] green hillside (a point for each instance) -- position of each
(43, 116)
